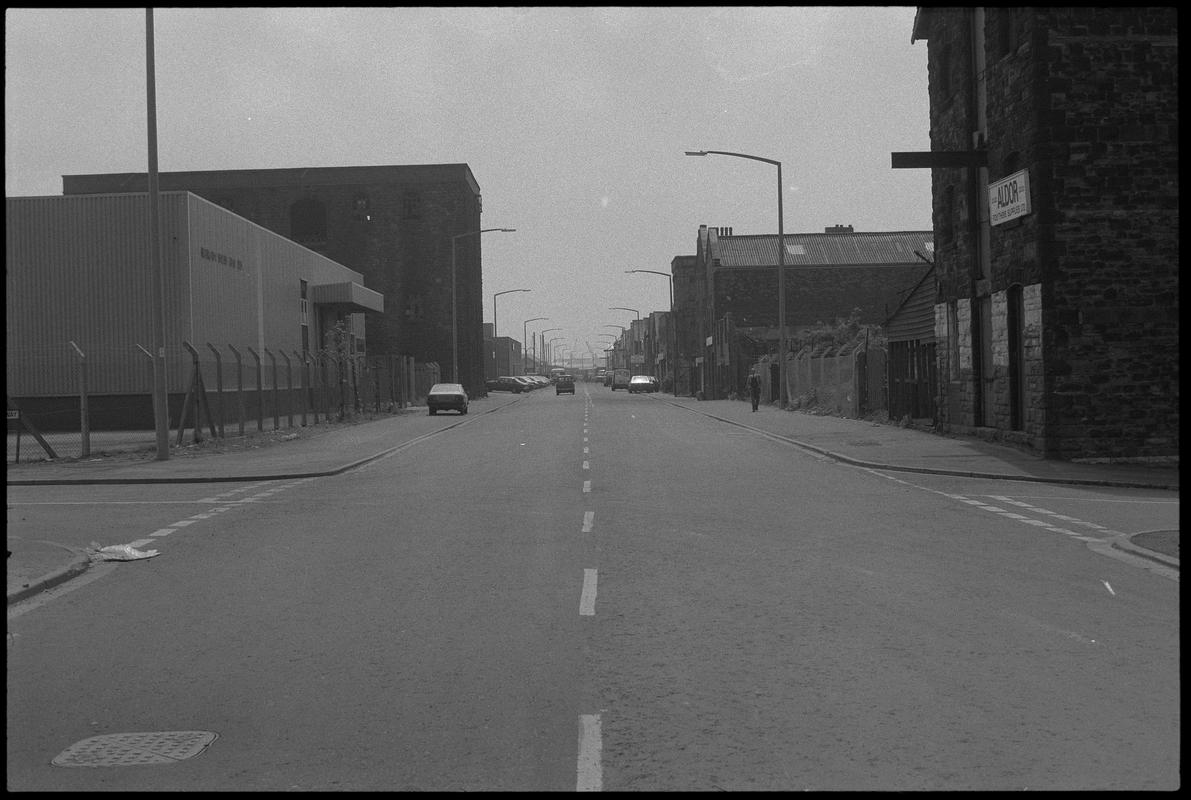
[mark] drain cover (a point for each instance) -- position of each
(135, 749)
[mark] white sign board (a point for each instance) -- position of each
(1009, 198)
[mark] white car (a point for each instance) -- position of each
(443, 396)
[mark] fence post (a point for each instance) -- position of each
(276, 407)
(218, 383)
(305, 375)
(260, 392)
(239, 386)
(84, 414)
(289, 384)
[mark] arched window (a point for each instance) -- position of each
(308, 222)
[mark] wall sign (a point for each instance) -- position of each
(1009, 198)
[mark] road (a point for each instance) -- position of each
(607, 592)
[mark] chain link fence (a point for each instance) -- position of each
(75, 402)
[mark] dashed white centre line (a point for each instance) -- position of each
(586, 465)
(587, 486)
(590, 767)
(588, 597)
(588, 521)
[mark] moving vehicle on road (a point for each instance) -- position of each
(643, 383)
(444, 396)
(620, 379)
(564, 384)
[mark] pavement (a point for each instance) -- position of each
(36, 564)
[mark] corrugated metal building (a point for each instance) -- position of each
(911, 368)
(78, 270)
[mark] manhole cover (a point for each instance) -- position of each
(133, 749)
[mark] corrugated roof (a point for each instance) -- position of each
(825, 249)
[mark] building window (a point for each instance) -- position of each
(1006, 43)
(361, 208)
(411, 206)
(308, 222)
(304, 314)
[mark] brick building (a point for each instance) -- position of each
(730, 292)
(393, 224)
(1054, 148)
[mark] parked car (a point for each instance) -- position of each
(620, 379)
(526, 383)
(540, 380)
(642, 383)
(564, 384)
(443, 396)
(505, 383)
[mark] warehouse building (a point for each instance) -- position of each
(80, 288)
(410, 230)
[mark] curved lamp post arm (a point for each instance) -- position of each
(454, 298)
(781, 263)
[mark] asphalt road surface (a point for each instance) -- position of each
(603, 592)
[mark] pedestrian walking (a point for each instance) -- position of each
(754, 385)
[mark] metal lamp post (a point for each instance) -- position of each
(498, 294)
(622, 308)
(524, 334)
(455, 302)
(673, 327)
(781, 264)
(550, 353)
(542, 338)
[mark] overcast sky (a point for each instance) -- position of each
(573, 120)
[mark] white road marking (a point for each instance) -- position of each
(590, 766)
(588, 521)
(162, 532)
(585, 451)
(1109, 588)
(586, 465)
(587, 486)
(588, 598)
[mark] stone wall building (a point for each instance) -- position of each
(1054, 148)
(733, 291)
(396, 225)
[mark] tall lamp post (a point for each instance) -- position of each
(619, 340)
(524, 340)
(673, 327)
(498, 294)
(550, 353)
(542, 338)
(781, 265)
(455, 301)
(622, 308)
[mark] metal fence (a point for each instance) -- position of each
(107, 404)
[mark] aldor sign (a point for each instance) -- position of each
(1009, 198)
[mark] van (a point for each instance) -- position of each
(620, 379)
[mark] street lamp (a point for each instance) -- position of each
(550, 354)
(781, 265)
(542, 337)
(498, 294)
(673, 327)
(524, 334)
(454, 299)
(622, 308)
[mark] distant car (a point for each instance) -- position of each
(505, 383)
(642, 383)
(620, 379)
(564, 384)
(443, 396)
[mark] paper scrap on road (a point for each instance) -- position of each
(124, 552)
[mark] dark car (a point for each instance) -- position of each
(505, 383)
(444, 396)
(564, 384)
(643, 383)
